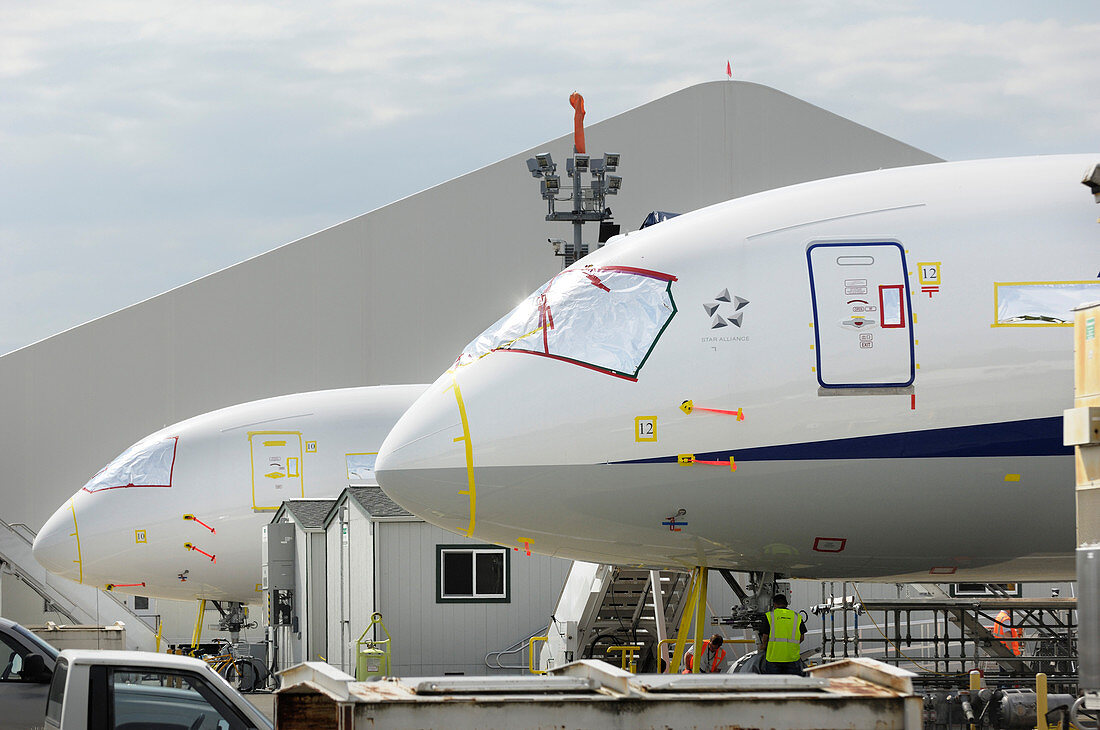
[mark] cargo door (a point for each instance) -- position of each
(863, 323)
(276, 468)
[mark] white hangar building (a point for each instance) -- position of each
(388, 297)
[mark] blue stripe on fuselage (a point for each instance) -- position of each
(1034, 437)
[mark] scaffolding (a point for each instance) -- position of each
(942, 639)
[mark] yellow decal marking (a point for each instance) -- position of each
(311, 447)
(687, 406)
(685, 459)
(274, 475)
(929, 272)
(76, 533)
(139, 536)
(471, 489)
(1012, 477)
(645, 428)
(274, 443)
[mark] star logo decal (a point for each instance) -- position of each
(725, 310)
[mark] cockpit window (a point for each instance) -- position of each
(607, 318)
(145, 464)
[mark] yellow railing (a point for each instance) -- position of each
(628, 660)
(531, 654)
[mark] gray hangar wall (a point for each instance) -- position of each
(390, 296)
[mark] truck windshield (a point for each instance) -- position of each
(605, 318)
(36, 643)
(148, 463)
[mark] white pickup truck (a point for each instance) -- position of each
(133, 690)
(26, 665)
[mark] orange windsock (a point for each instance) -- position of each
(577, 101)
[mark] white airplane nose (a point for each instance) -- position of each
(57, 546)
(425, 453)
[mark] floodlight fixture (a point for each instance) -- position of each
(545, 162)
(533, 167)
(614, 183)
(569, 167)
(597, 166)
(553, 183)
(611, 160)
(581, 162)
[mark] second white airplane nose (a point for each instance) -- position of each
(431, 438)
(57, 545)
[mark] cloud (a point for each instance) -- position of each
(131, 128)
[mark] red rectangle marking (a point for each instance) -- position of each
(829, 544)
(886, 295)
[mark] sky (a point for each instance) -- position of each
(145, 143)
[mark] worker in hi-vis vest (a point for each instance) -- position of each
(782, 639)
(714, 657)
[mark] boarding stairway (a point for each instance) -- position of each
(603, 606)
(80, 604)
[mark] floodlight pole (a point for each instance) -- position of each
(578, 208)
(542, 167)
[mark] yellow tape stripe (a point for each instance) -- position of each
(685, 622)
(472, 484)
(76, 533)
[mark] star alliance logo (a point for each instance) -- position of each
(719, 310)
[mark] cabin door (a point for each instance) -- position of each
(863, 323)
(276, 468)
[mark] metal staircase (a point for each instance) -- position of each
(604, 606)
(80, 604)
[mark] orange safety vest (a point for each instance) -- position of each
(714, 664)
(1002, 629)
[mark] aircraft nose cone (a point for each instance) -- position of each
(56, 547)
(414, 462)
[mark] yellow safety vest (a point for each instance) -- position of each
(784, 635)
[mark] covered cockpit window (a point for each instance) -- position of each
(147, 463)
(607, 318)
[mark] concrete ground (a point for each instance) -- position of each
(264, 702)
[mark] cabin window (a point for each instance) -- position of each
(361, 468)
(1041, 303)
(605, 318)
(472, 574)
(147, 463)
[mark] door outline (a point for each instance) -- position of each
(295, 435)
(907, 303)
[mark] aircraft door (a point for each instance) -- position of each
(863, 324)
(276, 468)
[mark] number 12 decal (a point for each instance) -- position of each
(645, 428)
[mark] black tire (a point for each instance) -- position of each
(243, 675)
